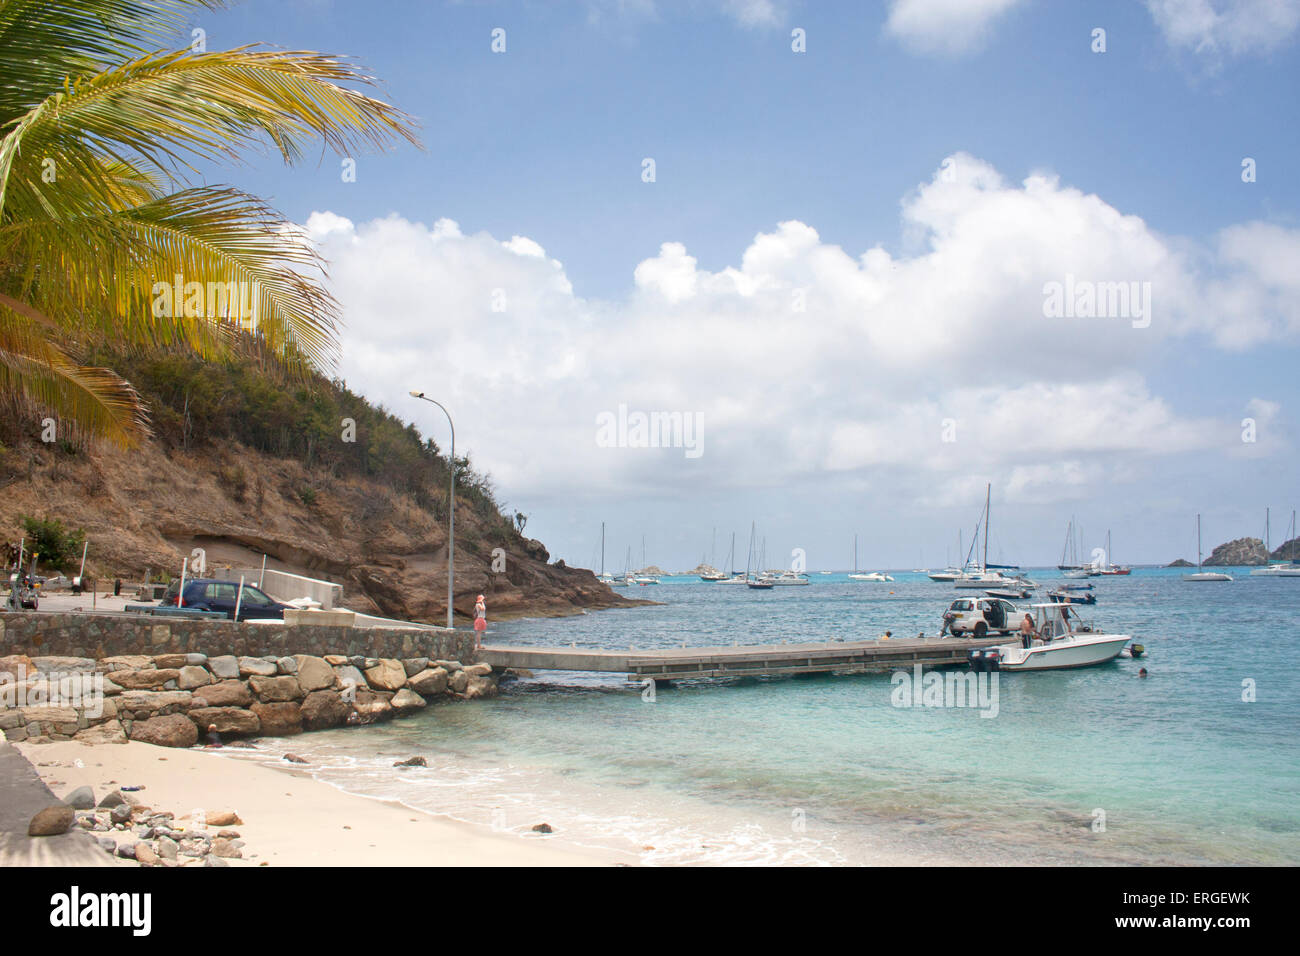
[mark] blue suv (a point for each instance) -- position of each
(208, 594)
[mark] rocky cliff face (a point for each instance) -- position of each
(144, 511)
(1243, 552)
(1290, 551)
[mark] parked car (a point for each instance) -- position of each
(976, 617)
(208, 594)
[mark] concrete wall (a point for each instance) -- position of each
(284, 586)
(107, 635)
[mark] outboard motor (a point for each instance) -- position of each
(976, 659)
(1136, 650)
(992, 659)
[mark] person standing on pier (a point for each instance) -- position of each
(480, 622)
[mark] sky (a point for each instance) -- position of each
(870, 257)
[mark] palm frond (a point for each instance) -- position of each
(87, 400)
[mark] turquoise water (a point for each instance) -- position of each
(1093, 766)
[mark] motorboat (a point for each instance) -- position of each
(1204, 575)
(1062, 596)
(762, 583)
(788, 579)
(1009, 594)
(856, 575)
(871, 576)
(946, 575)
(1061, 639)
(984, 580)
(735, 579)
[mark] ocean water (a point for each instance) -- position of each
(1092, 766)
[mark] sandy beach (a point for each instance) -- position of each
(289, 819)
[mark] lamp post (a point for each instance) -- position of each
(451, 504)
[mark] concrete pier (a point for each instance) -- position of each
(752, 660)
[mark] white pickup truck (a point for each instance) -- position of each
(978, 617)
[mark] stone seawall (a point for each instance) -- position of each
(110, 635)
(104, 679)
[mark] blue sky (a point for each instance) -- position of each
(546, 141)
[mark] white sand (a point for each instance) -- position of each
(289, 819)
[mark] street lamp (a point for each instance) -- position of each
(451, 505)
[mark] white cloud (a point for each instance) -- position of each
(807, 362)
(1218, 27)
(945, 26)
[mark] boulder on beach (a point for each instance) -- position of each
(227, 693)
(324, 708)
(407, 701)
(413, 665)
(478, 687)
(108, 732)
(173, 730)
(458, 681)
(83, 798)
(371, 707)
(279, 719)
(227, 720)
(429, 683)
(412, 762)
(275, 688)
(52, 821)
(314, 673)
(386, 674)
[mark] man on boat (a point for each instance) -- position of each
(1027, 632)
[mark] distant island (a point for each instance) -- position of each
(1243, 553)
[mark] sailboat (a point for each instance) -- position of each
(1278, 569)
(983, 577)
(713, 575)
(861, 576)
(949, 573)
(1113, 569)
(1204, 575)
(604, 578)
(760, 582)
(641, 577)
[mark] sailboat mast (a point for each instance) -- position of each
(1198, 543)
(602, 549)
(988, 489)
(855, 554)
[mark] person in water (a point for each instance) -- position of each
(1027, 632)
(480, 622)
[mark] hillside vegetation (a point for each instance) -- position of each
(247, 460)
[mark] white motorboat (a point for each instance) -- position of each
(734, 579)
(1061, 640)
(1204, 575)
(871, 576)
(788, 579)
(946, 575)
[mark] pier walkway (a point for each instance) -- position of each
(745, 660)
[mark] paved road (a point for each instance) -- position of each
(22, 794)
